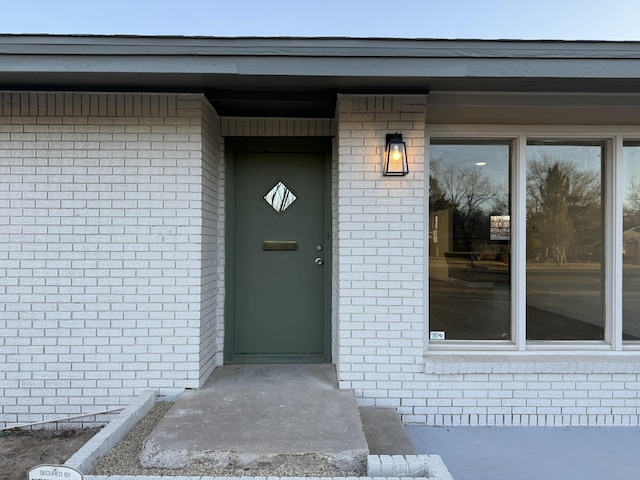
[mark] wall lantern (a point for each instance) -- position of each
(395, 156)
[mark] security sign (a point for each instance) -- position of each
(53, 472)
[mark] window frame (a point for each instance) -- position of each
(613, 137)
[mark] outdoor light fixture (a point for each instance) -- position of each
(395, 156)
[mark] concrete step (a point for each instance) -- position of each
(252, 416)
(385, 432)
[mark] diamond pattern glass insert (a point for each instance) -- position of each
(280, 197)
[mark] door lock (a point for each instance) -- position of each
(319, 261)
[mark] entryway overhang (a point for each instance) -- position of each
(300, 77)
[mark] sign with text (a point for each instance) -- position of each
(500, 227)
(53, 472)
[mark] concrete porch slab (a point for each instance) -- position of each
(252, 416)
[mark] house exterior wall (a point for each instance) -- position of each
(107, 201)
(112, 213)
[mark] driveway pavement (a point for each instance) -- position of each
(533, 453)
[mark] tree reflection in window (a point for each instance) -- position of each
(563, 210)
(470, 240)
(630, 250)
(565, 236)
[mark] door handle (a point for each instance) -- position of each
(319, 261)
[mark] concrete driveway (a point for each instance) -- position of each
(533, 453)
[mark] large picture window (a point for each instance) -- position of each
(534, 238)
(469, 241)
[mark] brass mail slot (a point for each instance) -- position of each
(280, 245)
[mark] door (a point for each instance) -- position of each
(279, 255)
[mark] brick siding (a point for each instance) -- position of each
(380, 264)
(105, 286)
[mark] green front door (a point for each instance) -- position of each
(279, 258)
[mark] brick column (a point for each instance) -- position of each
(380, 251)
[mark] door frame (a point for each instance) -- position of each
(233, 145)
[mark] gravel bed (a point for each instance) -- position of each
(123, 458)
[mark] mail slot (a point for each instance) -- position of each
(280, 245)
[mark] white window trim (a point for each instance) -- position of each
(614, 136)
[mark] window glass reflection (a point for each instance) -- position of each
(631, 243)
(469, 241)
(564, 241)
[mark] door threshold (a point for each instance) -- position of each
(277, 358)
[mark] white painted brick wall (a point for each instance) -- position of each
(102, 287)
(213, 252)
(112, 267)
(379, 265)
(521, 390)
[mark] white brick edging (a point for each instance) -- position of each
(85, 459)
(134, 477)
(407, 466)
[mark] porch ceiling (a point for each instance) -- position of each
(300, 77)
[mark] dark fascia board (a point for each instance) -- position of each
(311, 47)
(327, 56)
